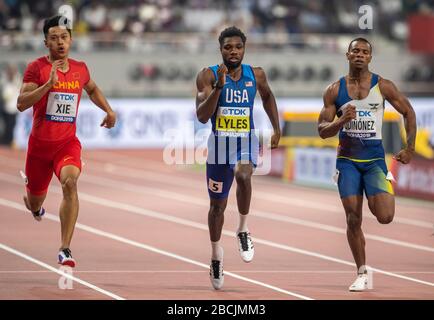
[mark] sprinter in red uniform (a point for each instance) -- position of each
(53, 85)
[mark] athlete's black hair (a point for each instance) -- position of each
(56, 21)
(231, 32)
(359, 39)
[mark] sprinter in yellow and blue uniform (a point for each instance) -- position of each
(225, 94)
(358, 101)
(360, 152)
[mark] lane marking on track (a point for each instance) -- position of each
(149, 213)
(205, 271)
(133, 243)
(169, 179)
(322, 208)
(116, 184)
(65, 275)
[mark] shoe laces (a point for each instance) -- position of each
(244, 240)
(215, 269)
(360, 278)
(67, 252)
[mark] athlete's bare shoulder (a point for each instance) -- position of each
(383, 82)
(389, 90)
(259, 73)
(205, 76)
(332, 90)
(205, 73)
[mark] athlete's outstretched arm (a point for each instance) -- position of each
(97, 97)
(31, 93)
(403, 106)
(327, 126)
(269, 103)
(208, 94)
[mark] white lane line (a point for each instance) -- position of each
(206, 271)
(166, 217)
(133, 243)
(65, 275)
(116, 184)
(322, 208)
(124, 162)
(266, 196)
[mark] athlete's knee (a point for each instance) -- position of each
(69, 186)
(385, 218)
(384, 214)
(217, 209)
(354, 221)
(243, 177)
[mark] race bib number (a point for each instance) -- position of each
(215, 186)
(364, 126)
(233, 121)
(62, 107)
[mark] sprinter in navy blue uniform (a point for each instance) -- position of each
(225, 94)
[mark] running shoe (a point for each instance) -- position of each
(65, 258)
(361, 283)
(245, 246)
(216, 274)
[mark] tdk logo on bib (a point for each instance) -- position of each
(62, 107)
(235, 111)
(363, 113)
(64, 96)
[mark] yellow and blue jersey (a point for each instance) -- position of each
(360, 163)
(360, 139)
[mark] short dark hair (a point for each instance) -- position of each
(56, 21)
(232, 32)
(359, 39)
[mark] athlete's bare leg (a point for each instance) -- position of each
(34, 203)
(356, 239)
(243, 175)
(216, 218)
(215, 224)
(69, 206)
(382, 206)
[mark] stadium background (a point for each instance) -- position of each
(145, 55)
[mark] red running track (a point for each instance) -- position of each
(142, 234)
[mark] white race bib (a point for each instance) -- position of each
(364, 126)
(62, 107)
